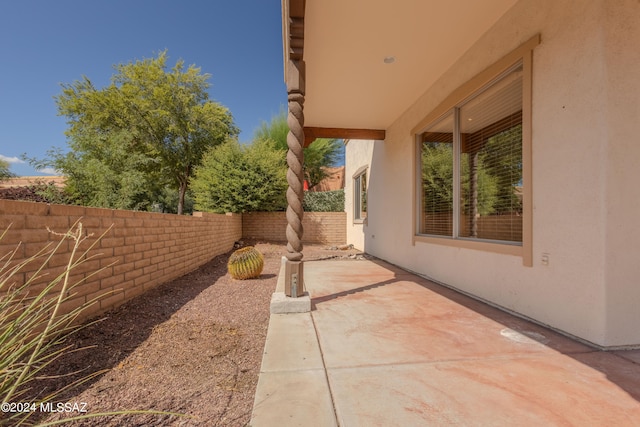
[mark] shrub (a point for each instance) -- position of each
(39, 192)
(237, 178)
(325, 201)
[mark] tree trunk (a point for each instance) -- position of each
(181, 192)
(184, 184)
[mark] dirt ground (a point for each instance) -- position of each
(191, 346)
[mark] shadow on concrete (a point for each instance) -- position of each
(342, 294)
(619, 367)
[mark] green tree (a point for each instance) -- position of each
(144, 132)
(109, 175)
(5, 173)
(502, 158)
(241, 178)
(437, 181)
(322, 153)
(437, 177)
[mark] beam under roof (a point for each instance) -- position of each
(313, 133)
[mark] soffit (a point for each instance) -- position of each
(348, 84)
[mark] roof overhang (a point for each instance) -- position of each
(367, 62)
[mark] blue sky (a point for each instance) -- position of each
(44, 43)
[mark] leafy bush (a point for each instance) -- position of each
(324, 201)
(38, 192)
(51, 193)
(4, 170)
(237, 178)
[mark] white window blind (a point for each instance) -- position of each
(471, 166)
(437, 178)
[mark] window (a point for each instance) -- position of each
(436, 165)
(473, 162)
(360, 196)
(470, 165)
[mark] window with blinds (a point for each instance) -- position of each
(471, 166)
(437, 178)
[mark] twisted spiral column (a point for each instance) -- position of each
(295, 177)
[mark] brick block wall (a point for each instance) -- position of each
(140, 251)
(319, 227)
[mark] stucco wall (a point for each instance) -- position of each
(585, 151)
(621, 36)
(358, 154)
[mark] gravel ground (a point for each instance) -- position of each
(191, 346)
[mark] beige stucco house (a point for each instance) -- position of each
(498, 141)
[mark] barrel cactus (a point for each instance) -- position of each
(245, 263)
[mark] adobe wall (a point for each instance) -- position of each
(139, 252)
(142, 249)
(319, 227)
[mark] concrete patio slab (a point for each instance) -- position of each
(526, 391)
(280, 356)
(293, 398)
(394, 349)
(292, 379)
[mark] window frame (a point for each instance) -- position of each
(524, 55)
(357, 195)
